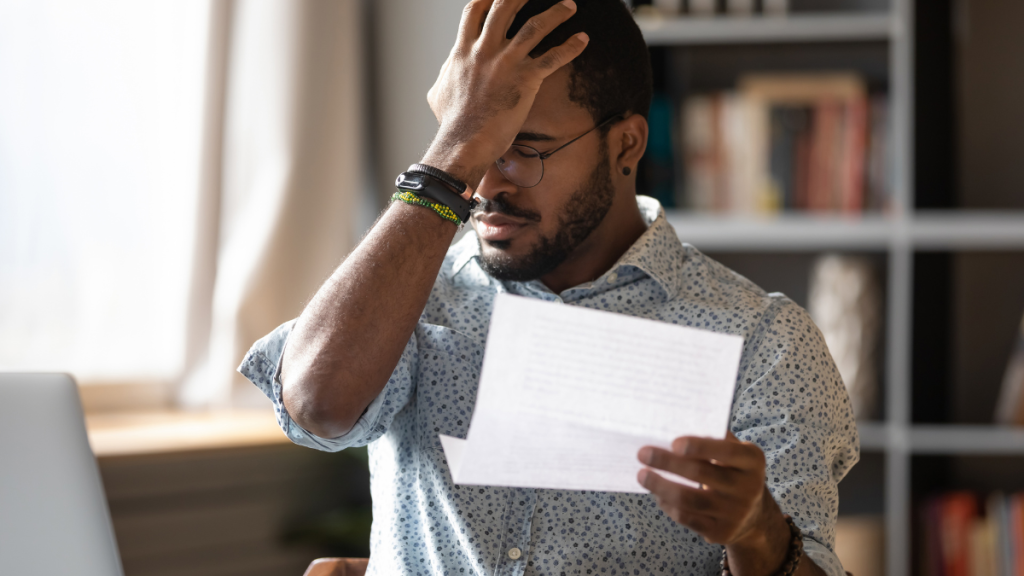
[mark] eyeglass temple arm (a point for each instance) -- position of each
(603, 123)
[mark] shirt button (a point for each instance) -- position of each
(612, 277)
(515, 553)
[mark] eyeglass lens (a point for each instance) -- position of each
(522, 166)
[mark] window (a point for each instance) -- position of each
(101, 108)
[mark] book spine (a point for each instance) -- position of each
(702, 153)
(854, 151)
(819, 185)
(959, 511)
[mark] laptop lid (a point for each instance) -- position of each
(53, 511)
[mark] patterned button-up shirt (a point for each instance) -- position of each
(789, 400)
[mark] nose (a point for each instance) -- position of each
(494, 183)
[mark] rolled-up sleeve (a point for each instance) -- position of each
(791, 402)
(262, 366)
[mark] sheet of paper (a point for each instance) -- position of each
(568, 395)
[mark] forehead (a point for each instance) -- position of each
(552, 112)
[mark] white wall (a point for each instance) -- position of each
(412, 39)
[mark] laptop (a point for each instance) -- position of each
(54, 519)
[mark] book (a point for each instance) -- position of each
(982, 552)
(832, 159)
(960, 538)
(879, 162)
(998, 514)
(786, 142)
(1016, 531)
(700, 149)
(1010, 407)
(948, 522)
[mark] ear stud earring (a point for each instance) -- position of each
(626, 171)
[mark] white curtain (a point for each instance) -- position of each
(176, 179)
(290, 181)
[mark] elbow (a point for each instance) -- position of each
(316, 408)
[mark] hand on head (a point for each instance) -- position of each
(488, 83)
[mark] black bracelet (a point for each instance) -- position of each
(441, 175)
(793, 554)
(431, 188)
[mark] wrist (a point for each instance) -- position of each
(463, 161)
(764, 547)
(420, 218)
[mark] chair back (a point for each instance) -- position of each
(337, 567)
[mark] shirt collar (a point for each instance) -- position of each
(658, 253)
(466, 249)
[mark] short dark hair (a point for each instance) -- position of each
(613, 74)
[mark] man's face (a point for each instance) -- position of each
(525, 233)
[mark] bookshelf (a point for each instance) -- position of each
(795, 28)
(926, 230)
(921, 220)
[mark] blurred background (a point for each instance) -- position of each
(178, 177)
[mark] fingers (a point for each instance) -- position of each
(689, 506)
(561, 55)
(473, 16)
(700, 471)
(536, 28)
(501, 17)
(730, 453)
(673, 494)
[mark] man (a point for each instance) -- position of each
(388, 352)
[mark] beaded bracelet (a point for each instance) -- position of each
(442, 210)
(793, 554)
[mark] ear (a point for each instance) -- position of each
(629, 141)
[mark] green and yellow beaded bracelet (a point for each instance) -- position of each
(442, 210)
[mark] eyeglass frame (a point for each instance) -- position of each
(544, 156)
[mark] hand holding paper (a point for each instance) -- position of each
(569, 395)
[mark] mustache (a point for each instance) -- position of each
(500, 205)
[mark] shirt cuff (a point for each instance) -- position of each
(262, 367)
(823, 557)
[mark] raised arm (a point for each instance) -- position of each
(350, 337)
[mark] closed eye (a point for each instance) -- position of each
(524, 152)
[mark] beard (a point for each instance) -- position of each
(584, 211)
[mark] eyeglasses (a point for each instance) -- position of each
(524, 165)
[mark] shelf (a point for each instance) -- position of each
(943, 439)
(813, 233)
(766, 29)
(967, 230)
(787, 232)
(966, 439)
